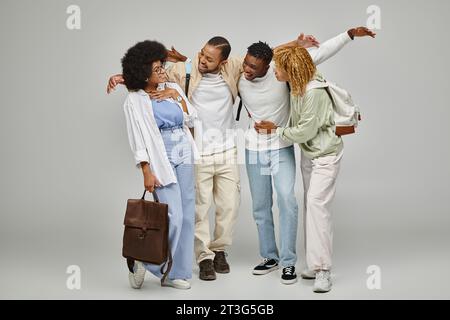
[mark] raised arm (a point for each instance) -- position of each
(329, 48)
(305, 41)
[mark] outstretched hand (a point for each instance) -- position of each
(114, 81)
(361, 32)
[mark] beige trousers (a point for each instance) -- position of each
(319, 183)
(217, 179)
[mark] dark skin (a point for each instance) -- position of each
(254, 67)
(257, 68)
(210, 60)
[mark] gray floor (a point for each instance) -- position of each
(419, 272)
(406, 234)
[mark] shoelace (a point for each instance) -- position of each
(322, 275)
(264, 262)
(289, 270)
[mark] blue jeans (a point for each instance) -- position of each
(181, 200)
(262, 168)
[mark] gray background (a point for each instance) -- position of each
(66, 168)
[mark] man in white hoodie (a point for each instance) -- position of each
(269, 158)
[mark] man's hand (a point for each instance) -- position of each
(361, 32)
(308, 41)
(265, 127)
(174, 56)
(302, 41)
(114, 81)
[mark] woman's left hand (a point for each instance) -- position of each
(164, 94)
(265, 127)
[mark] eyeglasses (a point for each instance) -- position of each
(159, 69)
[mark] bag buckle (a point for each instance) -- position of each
(143, 234)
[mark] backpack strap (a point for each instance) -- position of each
(288, 86)
(188, 66)
(238, 114)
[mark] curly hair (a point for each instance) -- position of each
(137, 63)
(261, 50)
(299, 66)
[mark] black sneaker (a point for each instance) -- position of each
(268, 265)
(289, 276)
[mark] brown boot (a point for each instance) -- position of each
(207, 272)
(220, 262)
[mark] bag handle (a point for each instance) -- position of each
(155, 196)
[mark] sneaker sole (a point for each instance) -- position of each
(288, 281)
(263, 272)
(321, 290)
(175, 286)
(211, 278)
(308, 277)
(222, 271)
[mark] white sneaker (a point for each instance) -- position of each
(176, 283)
(137, 277)
(322, 283)
(308, 274)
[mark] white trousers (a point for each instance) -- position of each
(319, 183)
(218, 181)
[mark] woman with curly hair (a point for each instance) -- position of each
(312, 126)
(158, 115)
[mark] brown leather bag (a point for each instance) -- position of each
(146, 235)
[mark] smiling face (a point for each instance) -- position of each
(254, 67)
(158, 74)
(210, 59)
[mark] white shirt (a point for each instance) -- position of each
(145, 138)
(266, 98)
(213, 102)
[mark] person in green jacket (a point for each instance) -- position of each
(312, 126)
